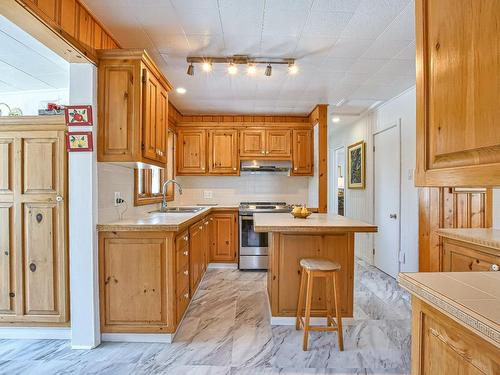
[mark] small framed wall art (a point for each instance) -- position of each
(78, 115)
(356, 166)
(79, 141)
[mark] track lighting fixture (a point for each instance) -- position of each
(269, 70)
(233, 61)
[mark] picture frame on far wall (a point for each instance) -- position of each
(79, 142)
(78, 115)
(356, 165)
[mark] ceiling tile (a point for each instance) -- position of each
(302, 5)
(200, 21)
(349, 48)
(336, 5)
(327, 24)
(283, 22)
(367, 66)
(385, 49)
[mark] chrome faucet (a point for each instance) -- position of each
(164, 193)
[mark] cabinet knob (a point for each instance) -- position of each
(185, 238)
(206, 222)
(186, 295)
(263, 152)
(186, 273)
(185, 253)
(211, 219)
(32, 267)
(267, 152)
(200, 227)
(203, 168)
(59, 198)
(494, 267)
(295, 168)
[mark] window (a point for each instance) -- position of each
(148, 182)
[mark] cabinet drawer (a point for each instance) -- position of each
(182, 258)
(182, 240)
(182, 303)
(461, 258)
(183, 277)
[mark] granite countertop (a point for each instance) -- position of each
(321, 223)
(470, 298)
(160, 221)
(487, 237)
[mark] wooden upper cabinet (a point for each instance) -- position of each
(278, 143)
(68, 16)
(49, 8)
(133, 109)
(223, 152)
(302, 163)
(252, 143)
(191, 151)
(458, 91)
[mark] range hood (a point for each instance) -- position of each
(278, 167)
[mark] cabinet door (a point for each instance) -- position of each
(252, 143)
(458, 80)
(224, 237)
(278, 143)
(117, 113)
(458, 258)
(195, 257)
(134, 282)
(68, 17)
(223, 152)
(302, 152)
(162, 125)
(191, 152)
(7, 270)
(150, 112)
(49, 8)
(85, 26)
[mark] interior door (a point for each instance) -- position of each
(387, 172)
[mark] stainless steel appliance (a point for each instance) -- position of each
(254, 246)
(266, 167)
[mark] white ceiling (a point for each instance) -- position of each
(26, 64)
(360, 52)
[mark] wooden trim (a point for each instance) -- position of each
(147, 179)
(319, 116)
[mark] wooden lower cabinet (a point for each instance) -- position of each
(458, 256)
(224, 246)
(442, 346)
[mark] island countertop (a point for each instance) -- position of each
(470, 298)
(316, 223)
(487, 237)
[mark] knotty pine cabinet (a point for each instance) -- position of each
(302, 160)
(261, 143)
(223, 152)
(224, 246)
(33, 222)
(133, 109)
(191, 151)
(458, 256)
(458, 91)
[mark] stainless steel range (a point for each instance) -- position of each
(253, 246)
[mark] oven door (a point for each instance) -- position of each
(251, 243)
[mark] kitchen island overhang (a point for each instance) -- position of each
(321, 235)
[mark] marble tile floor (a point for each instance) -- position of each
(227, 331)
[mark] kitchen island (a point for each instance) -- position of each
(321, 235)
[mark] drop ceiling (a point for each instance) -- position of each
(26, 64)
(354, 52)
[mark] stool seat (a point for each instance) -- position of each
(319, 264)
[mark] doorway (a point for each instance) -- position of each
(339, 175)
(387, 198)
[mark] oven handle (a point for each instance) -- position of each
(246, 217)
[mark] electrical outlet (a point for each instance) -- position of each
(117, 198)
(207, 194)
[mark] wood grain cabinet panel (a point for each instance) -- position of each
(133, 106)
(462, 257)
(191, 152)
(278, 143)
(252, 143)
(68, 17)
(50, 8)
(195, 255)
(223, 152)
(224, 237)
(302, 161)
(6, 164)
(39, 172)
(7, 269)
(458, 91)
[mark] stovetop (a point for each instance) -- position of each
(252, 207)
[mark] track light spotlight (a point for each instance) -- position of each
(206, 66)
(269, 70)
(232, 69)
(293, 68)
(190, 70)
(251, 69)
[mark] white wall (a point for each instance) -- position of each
(313, 181)
(359, 203)
(31, 101)
(115, 178)
(232, 190)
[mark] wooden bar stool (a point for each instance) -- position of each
(319, 267)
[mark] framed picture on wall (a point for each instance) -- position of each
(79, 141)
(78, 115)
(356, 166)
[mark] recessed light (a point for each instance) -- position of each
(293, 69)
(232, 69)
(180, 90)
(206, 66)
(251, 69)
(336, 119)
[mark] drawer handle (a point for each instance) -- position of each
(186, 295)
(494, 267)
(186, 273)
(185, 253)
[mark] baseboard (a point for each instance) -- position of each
(35, 333)
(165, 338)
(232, 266)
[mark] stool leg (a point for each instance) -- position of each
(309, 297)
(300, 301)
(336, 287)
(329, 295)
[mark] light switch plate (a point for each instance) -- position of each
(118, 195)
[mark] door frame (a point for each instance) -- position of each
(396, 125)
(334, 174)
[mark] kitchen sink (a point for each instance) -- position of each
(178, 210)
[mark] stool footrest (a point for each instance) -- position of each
(333, 327)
